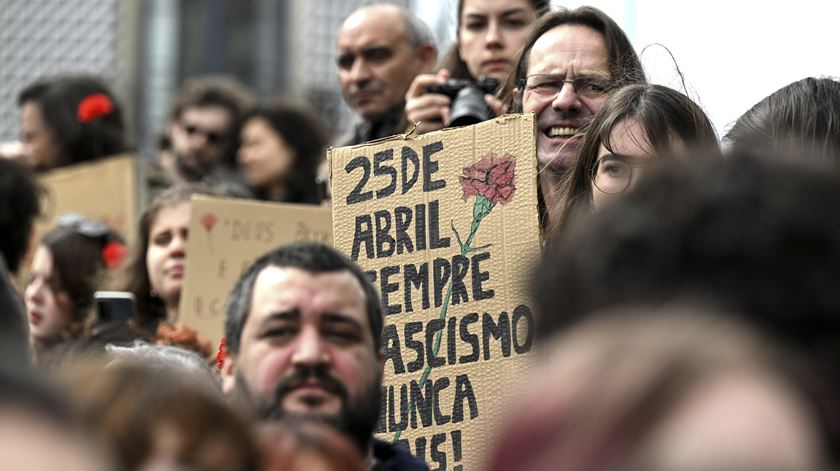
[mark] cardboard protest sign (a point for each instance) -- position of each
(105, 190)
(226, 237)
(446, 225)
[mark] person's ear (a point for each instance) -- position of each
(228, 374)
(428, 57)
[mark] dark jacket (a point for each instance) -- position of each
(392, 123)
(391, 457)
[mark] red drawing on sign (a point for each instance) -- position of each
(208, 221)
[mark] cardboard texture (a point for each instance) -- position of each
(106, 190)
(226, 237)
(446, 224)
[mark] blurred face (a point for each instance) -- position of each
(48, 308)
(40, 148)
(375, 62)
(202, 134)
(264, 156)
(31, 441)
(307, 350)
(492, 33)
(571, 52)
(738, 421)
(167, 252)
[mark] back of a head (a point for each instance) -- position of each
(155, 415)
(20, 204)
(756, 238)
(641, 390)
(800, 121)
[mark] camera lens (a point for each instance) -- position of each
(469, 107)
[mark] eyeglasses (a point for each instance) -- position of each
(212, 137)
(612, 173)
(550, 84)
(82, 225)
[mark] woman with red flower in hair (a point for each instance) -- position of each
(69, 119)
(66, 270)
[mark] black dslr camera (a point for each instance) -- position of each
(467, 97)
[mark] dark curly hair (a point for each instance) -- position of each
(307, 138)
(58, 98)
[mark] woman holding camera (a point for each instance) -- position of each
(490, 36)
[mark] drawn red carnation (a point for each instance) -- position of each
(208, 221)
(94, 106)
(491, 177)
(220, 355)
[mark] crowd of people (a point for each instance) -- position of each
(688, 310)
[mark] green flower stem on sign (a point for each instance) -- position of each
(482, 208)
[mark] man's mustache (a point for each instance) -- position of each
(300, 376)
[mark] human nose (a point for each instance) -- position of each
(566, 98)
(493, 37)
(360, 71)
(33, 291)
(310, 351)
(178, 245)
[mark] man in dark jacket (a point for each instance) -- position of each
(303, 339)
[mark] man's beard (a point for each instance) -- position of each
(356, 419)
(191, 170)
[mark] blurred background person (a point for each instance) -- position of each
(282, 148)
(20, 205)
(14, 332)
(380, 49)
(800, 121)
(39, 430)
(674, 390)
(70, 263)
(154, 272)
(748, 236)
(490, 36)
(306, 445)
(155, 414)
(637, 123)
(65, 120)
(203, 132)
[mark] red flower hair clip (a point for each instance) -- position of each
(113, 254)
(94, 106)
(220, 355)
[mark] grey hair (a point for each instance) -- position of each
(165, 357)
(417, 32)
